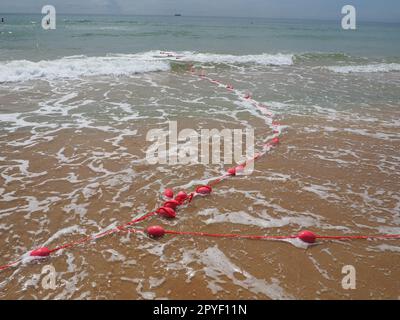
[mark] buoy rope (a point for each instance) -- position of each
(168, 209)
(361, 237)
(102, 234)
(229, 235)
(267, 237)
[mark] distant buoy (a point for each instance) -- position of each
(307, 236)
(169, 193)
(166, 212)
(204, 189)
(171, 203)
(41, 252)
(155, 231)
(275, 141)
(181, 196)
(231, 171)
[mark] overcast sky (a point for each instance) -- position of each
(372, 10)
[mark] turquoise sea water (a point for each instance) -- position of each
(21, 36)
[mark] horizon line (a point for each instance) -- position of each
(199, 16)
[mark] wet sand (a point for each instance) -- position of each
(333, 173)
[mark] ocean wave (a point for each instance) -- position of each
(278, 59)
(151, 61)
(122, 64)
(369, 68)
(78, 66)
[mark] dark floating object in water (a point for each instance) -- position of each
(178, 15)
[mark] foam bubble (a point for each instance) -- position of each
(368, 68)
(261, 59)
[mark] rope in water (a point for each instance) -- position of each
(305, 236)
(168, 209)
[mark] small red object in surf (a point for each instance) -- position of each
(41, 252)
(181, 196)
(168, 193)
(166, 212)
(155, 231)
(247, 96)
(171, 204)
(231, 171)
(204, 189)
(307, 236)
(275, 141)
(229, 86)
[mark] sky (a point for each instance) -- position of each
(367, 10)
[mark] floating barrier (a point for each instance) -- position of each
(306, 236)
(168, 210)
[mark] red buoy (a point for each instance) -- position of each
(41, 252)
(181, 196)
(204, 189)
(275, 141)
(166, 212)
(169, 193)
(171, 203)
(155, 231)
(231, 171)
(307, 236)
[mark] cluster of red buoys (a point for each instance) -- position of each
(169, 206)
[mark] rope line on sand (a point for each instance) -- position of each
(306, 236)
(168, 209)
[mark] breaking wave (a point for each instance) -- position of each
(369, 68)
(78, 66)
(278, 59)
(153, 61)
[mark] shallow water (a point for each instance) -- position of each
(72, 163)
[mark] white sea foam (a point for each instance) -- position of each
(122, 64)
(278, 59)
(368, 68)
(65, 231)
(78, 66)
